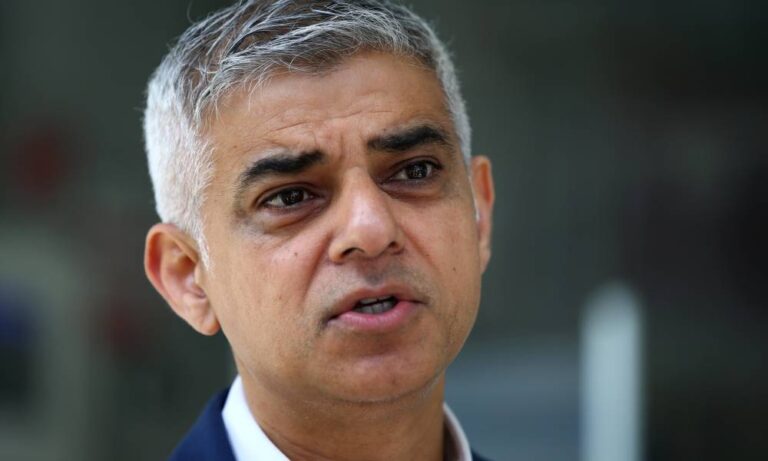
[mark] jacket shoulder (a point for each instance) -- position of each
(207, 440)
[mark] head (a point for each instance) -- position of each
(245, 45)
(311, 167)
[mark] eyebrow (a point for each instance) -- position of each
(291, 163)
(409, 138)
(282, 163)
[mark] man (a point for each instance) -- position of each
(310, 161)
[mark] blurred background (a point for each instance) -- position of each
(624, 311)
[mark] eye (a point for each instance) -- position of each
(287, 198)
(422, 169)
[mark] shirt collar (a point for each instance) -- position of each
(250, 442)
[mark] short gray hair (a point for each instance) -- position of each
(245, 44)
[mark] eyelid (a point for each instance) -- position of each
(261, 202)
(400, 168)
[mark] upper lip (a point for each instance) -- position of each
(349, 301)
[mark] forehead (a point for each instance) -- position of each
(363, 96)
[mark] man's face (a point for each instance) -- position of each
(345, 250)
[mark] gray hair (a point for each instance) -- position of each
(247, 43)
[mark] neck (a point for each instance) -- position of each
(407, 428)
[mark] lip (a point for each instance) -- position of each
(407, 304)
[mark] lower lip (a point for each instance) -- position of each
(377, 323)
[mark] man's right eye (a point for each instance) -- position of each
(287, 198)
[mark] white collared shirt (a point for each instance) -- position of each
(250, 443)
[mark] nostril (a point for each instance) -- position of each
(349, 251)
(395, 246)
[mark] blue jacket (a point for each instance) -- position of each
(208, 439)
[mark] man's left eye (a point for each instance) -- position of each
(422, 169)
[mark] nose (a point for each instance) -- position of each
(366, 227)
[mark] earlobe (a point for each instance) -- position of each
(482, 186)
(172, 264)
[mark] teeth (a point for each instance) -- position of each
(373, 300)
(376, 305)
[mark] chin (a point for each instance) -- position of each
(388, 384)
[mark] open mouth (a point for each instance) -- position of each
(381, 311)
(375, 305)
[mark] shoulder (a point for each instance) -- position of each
(207, 439)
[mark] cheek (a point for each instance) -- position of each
(265, 294)
(445, 238)
(459, 267)
(453, 242)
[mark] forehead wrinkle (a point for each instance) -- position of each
(324, 120)
(321, 133)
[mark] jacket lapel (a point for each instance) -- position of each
(208, 439)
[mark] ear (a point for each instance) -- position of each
(482, 185)
(172, 264)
